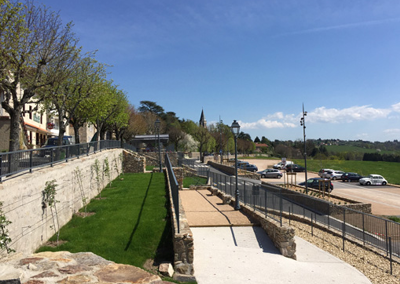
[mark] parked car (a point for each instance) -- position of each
(53, 142)
(295, 168)
(318, 183)
(248, 167)
(241, 164)
(270, 173)
(333, 174)
(351, 177)
(373, 180)
(323, 171)
(282, 165)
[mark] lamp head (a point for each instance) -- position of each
(235, 128)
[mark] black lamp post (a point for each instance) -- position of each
(157, 125)
(303, 123)
(235, 128)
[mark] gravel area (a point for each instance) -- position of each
(371, 263)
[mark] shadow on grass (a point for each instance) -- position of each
(140, 215)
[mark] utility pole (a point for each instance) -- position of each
(303, 123)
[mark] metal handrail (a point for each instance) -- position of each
(23, 161)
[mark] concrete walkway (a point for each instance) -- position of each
(229, 249)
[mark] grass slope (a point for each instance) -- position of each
(388, 170)
(130, 223)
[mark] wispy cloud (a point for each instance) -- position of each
(351, 114)
(340, 27)
(322, 115)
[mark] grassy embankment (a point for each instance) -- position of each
(130, 224)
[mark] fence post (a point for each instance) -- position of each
(312, 226)
(87, 149)
(386, 237)
(79, 150)
(290, 217)
(51, 156)
(66, 153)
(1, 165)
(30, 161)
(244, 192)
(266, 207)
(363, 222)
(344, 225)
(390, 252)
(280, 205)
(329, 216)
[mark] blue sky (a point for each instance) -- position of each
(254, 61)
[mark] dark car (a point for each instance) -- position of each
(270, 173)
(295, 168)
(351, 177)
(248, 167)
(53, 142)
(318, 183)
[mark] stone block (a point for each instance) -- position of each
(166, 269)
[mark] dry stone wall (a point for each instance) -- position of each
(32, 225)
(182, 240)
(133, 162)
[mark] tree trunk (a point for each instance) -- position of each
(15, 124)
(76, 130)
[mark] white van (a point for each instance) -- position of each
(281, 165)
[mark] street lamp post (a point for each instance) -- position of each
(235, 128)
(157, 125)
(303, 123)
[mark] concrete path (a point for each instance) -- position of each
(228, 249)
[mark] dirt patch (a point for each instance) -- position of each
(151, 266)
(54, 244)
(84, 214)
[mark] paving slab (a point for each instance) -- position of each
(202, 209)
(226, 252)
(237, 255)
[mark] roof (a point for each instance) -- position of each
(164, 137)
(261, 145)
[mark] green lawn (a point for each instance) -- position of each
(130, 223)
(149, 168)
(188, 181)
(387, 169)
(350, 148)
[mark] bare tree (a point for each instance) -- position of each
(35, 49)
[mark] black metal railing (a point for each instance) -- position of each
(380, 233)
(12, 163)
(173, 183)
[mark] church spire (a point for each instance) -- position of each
(203, 121)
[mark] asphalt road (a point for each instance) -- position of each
(385, 200)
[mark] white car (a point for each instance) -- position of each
(281, 165)
(373, 180)
(331, 174)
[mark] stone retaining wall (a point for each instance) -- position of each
(32, 225)
(281, 236)
(182, 241)
(134, 163)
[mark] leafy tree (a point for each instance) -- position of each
(35, 50)
(257, 140)
(202, 136)
(149, 106)
(136, 124)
